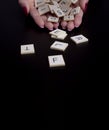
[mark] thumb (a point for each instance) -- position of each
(25, 6)
(83, 4)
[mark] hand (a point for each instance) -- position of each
(41, 21)
(78, 18)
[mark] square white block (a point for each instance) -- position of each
(56, 61)
(60, 37)
(79, 39)
(57, 32)
(27, 49)
(74, 1)
(57, 45)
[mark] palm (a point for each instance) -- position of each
(78, 18)
(42, 22)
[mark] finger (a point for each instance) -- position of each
(83, 4)
(70, 25)
(64, 24)
(47, 24)
(36, 17)
(25, 6)
(78, 19)
(56, 25)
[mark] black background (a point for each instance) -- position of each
(29, 81)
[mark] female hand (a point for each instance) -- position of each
(78, 18)
(41, 21)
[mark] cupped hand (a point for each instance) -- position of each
(78, 17)
(41, 21)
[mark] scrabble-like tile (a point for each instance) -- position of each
(56, 61)
(74, 1)
(58, 12)
(53, 19)
(65, 3)
(57, 45)
(43, 9)
(79, 39)
(57, 32)
(75, 10)
(39, 3)
(69, 17)
(59, 37)
(54, 2)
(27, 49)
(51, 8)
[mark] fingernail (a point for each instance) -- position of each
(25, 10)
(69, 30)
(76, 26)
(41, 26)
(85, 9)
(50, 29)
(64, 28)
(56, 27)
